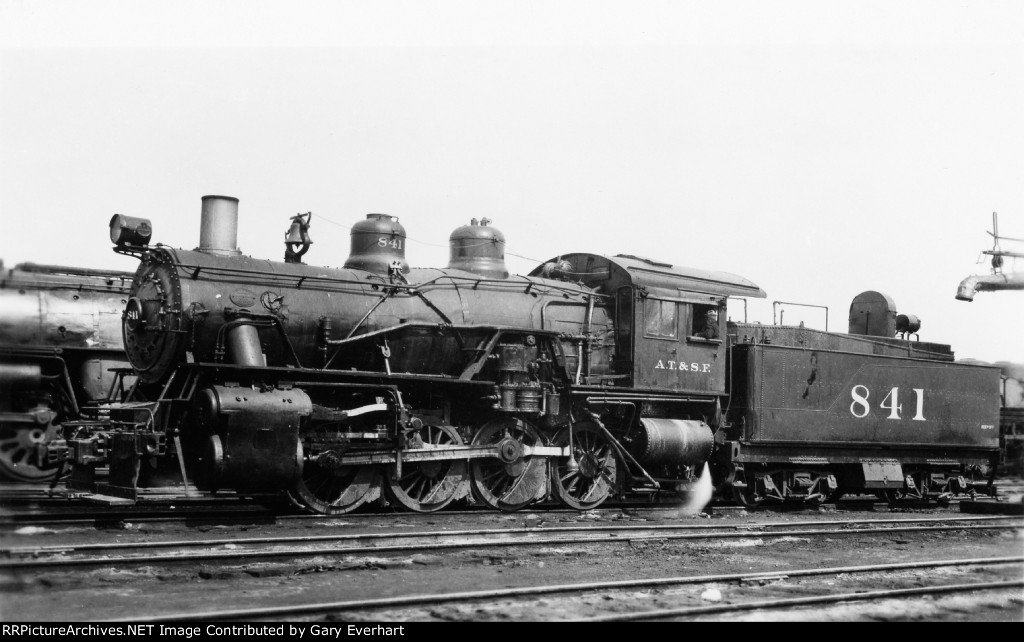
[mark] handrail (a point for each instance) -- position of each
(775, 305)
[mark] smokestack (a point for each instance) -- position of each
(218, 230)
(988, 283)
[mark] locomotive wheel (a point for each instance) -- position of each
(512, 481)
(16, 445)
(335, 491)
(428, 486)
(592, 480)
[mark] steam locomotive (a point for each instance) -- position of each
(60, 334)
(591, 377)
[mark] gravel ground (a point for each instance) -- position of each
(107, 593)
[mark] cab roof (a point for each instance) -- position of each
(609, 273)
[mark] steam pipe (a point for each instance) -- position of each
(988, 283)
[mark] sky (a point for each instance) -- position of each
(819, 149)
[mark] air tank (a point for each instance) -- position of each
(377, 243)
(478, 248)
(907, 323)
(673, 442)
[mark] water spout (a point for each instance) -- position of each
(988, 283)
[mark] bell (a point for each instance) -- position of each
(296, 240)
(294, 235)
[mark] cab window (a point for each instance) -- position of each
(702, 326)
(660, 319)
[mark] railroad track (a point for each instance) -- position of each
(801, 602)
(237, 511)
(628, 604)
(242, 513)
(172, 514)
(41, 497)
(227, 550)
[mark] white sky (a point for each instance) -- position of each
(819, 149)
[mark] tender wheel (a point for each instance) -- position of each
(742, 492)
(17, 441)
(335, 490)
(510, 481)
(592, 480)
(428, 486)
(746, 496)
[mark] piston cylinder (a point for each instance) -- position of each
(254, 437)
(673, 442)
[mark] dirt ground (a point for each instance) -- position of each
(108, 593)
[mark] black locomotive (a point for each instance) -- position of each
(593, 376)
(60, 335)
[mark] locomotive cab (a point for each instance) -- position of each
(665, 338)
(680, 348)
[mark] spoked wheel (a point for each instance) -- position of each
(334, 490)
(510, 481)
(17, 441)
(428, 486)
(743, 492)
(592, 479)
